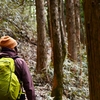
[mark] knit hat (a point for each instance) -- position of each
(7, 41)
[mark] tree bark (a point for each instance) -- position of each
(92, 24)
(72, 43)
(62, 27)
(41, 37)
(57, 89)
(77, 21)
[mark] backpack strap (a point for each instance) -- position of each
(21, 92)
(14, 57)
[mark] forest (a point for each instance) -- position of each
(59, 40)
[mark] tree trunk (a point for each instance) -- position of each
(77, 21)
(92, 24)
(77, 27)
(41, 37)
(62, 27)
(72, 43)
(49, 19)
(57, 52)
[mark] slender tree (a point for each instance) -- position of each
(92, 24)
(41, 36)
(77, 20)
(72, 43)
(77, 28)
(49, 20)
(57, 89)
(62, 27)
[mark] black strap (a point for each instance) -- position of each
(14, 57)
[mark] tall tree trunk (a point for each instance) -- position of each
(49, 19)
(41, 37)
(72, 43)
(62, 27)
(92, 24)
(57, 89)
(77, 27)
(50, 28)
(77, 21)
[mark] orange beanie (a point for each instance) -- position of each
(7, 41)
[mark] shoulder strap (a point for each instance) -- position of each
(15, 57)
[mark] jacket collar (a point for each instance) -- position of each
(7, 52)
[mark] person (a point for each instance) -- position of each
(9, 48)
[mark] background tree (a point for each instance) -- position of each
(57, 51)
(72, 43)
(92, 24)
(77, 21)
(77, 32)
(82, 27)
(41, 36)
(62, 27)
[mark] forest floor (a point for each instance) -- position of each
(75, 75)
